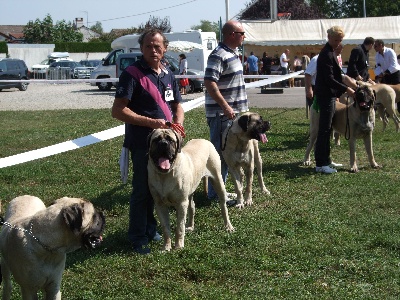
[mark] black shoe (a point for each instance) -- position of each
(142, 250)
(230, 203)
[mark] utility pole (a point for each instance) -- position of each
(227, 10)
(365, 10)
(87, 18)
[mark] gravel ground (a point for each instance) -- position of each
(42, 96)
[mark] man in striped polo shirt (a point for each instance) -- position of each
(225, 94)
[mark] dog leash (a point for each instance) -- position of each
(29, 232)
(347, 130)
(226, 136)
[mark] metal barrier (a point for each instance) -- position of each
(61, 73)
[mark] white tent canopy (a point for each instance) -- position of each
(313, 32)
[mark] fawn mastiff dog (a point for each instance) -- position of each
(386, 98)
(241, 153)
(34, 241)
(174, 174)
(354, 121)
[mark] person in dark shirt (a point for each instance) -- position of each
(359, 60)
(266, 64)
(328, 87)
(147, 98)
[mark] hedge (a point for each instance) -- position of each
(82, 47)
(3, 47)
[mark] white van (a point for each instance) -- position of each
(195, 84)
(116, 61)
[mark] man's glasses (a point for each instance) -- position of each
(240, 32)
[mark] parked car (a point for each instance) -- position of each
(13, 69)
(126, 59)
(40, 70)
(68, 69)
(91, 63)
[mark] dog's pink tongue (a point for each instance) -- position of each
(164, 163)
(263, 138)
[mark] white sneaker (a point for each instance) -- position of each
(325, 169)
(231, 196)
(335, 165)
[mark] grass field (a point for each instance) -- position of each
(315, 237)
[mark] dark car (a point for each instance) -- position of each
(63, 69)
(91, 63)
(13, 69)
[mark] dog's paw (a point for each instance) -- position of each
(249, 202)
(189, 228)
(229, 228)
(354, 169)
(307, 163)
(265, 191)
(239, 205)
(376, 166)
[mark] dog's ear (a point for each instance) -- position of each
(72, 216)
(244, 122)
(149, 139)
(179, 141)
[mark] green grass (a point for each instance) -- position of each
(315, 237)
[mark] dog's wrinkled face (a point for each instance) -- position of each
(254, 125)
(364, 107)
(164, 146)
(364, 98)
(84, 220)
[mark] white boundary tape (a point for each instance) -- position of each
(112, 132)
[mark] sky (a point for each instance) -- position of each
(119, 14)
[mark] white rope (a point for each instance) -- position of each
(112, 132)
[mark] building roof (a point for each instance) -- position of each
(12, 29)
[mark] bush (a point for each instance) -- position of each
(3, 47)
(75, 47)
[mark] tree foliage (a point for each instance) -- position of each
(44, 32)
(156, 22)
(98, 27)
(299, 9)
(207, 26)
(321, 9)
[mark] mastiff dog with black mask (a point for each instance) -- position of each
(354, 121)
(241, 153)
(175, 173)
(34, 241)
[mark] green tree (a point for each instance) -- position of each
(156, 22)
(44, 32)
(207, 26)
(299, 9)
(355, 8)
(98, 27)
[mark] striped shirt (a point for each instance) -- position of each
(225, 68)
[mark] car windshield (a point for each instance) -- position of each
(90, 63)
(172, 61)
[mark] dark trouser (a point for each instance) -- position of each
(284, 72)
(393, 78)
(142, 223)
(327, 107)
(267, 70)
